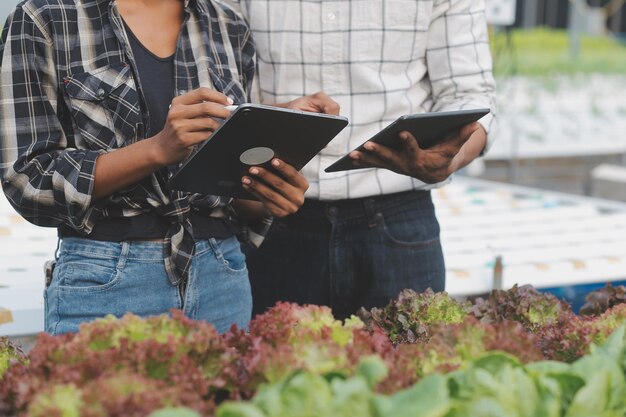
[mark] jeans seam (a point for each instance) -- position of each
(45, 309)
(190, 300)
(58, 317)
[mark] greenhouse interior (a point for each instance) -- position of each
(527, 317)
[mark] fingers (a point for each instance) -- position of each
(292, 189)
(318, 103)
(278, 204)
(410, 144)
(367, 160)
(290, 174)
(200, 95)
(181, 127)
(381, 156)
(282, 192)
(326, 104)
(193, 111)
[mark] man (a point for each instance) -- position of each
(362, 236)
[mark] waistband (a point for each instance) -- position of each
(135, 250)
(385, 199)
(151, 226)
(368, 206)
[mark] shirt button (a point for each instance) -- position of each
(181, 92)
(331, 16)
(101, 93)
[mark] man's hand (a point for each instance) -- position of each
(431, 165)
(281, 192)
(190, 121)
(316, 103)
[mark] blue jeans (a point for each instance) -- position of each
(350, 254)
(95, 278)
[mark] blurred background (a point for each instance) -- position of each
(546, 206)
(561, 71)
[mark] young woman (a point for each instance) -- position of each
(100, 101)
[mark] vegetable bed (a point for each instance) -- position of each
(512, 353)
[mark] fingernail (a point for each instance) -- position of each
(254, 171)
(246, 181)
(369, 146)
(229, 100)
(276, 163)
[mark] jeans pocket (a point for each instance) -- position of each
(228, 253)
(409, 233)
(90, 272)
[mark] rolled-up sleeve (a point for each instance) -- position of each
(45, 180)
(459, 60)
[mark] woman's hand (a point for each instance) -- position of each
(281, 189)
(191, 120)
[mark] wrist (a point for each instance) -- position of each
(155, 152)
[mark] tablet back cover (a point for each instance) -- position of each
(292, 136)
(428, 129)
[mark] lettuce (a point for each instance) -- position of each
(408, 318)
(598, 302)
(9, 354)
(304, 394)
(524, 305)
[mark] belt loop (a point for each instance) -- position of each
(370, 210)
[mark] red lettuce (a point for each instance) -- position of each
(597, 302)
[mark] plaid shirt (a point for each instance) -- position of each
(69, 93)
(380, 59)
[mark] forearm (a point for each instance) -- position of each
(124, 167)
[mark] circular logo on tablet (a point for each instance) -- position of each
(256, 156)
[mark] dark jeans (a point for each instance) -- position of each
(350, 254)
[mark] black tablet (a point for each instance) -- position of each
(428, 128)
(252, 136)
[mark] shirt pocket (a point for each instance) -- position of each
(391, 31)
(104, 104)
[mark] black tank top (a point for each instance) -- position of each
(157, 82)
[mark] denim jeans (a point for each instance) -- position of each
(95, 278)
(350, 254)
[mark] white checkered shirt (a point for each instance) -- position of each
(379, 59)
